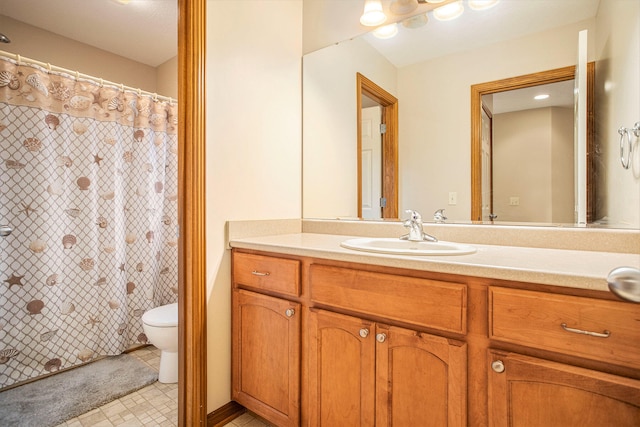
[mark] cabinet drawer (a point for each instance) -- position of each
(423, 302)
(596, 329)
(268, 273)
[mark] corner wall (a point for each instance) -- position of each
(253, 83)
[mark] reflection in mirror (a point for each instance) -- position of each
(522, 148)
(433, 92)
(376, 150)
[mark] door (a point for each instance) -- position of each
(528, 392)
(487, 166)
(421, 379)
(266, 356)
(371, 153)
(341, 370)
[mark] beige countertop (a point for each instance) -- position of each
(559, 267)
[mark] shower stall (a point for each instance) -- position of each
(88, 188)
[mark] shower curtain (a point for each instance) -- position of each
(88, 182)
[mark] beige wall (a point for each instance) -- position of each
(435, 151)
(533, 161)
(253, 144)
(329, 124)
(33, 42)
(617, 104)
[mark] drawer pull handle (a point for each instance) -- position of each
(258, 273)
(364, 332)
(604, 334)
(290, 312)
(381, 337)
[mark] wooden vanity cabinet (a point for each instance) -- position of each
(530, 392)
(266, 338)
(365, 373)
(328, 343)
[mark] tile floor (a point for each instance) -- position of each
(153, 405)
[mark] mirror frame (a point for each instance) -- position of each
(519, 82)
(192, 342)
(389, 104)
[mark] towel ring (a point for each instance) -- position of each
(625, 132)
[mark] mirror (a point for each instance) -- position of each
(434, 154)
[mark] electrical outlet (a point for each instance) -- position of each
(514, 201)
(453, 198)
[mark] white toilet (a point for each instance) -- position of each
(160, 325)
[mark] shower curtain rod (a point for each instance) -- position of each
(22, 60)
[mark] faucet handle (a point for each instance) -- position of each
(414, 215)
(438, 216)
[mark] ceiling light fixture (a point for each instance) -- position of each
(373, 14)
(541, 97)
(416, 21)
(448, 11)
(386, 32)
(402, 7)
(482, 4)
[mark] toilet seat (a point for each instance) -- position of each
(165, 316)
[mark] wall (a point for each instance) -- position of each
(253, 147)
(533, 149)
(167, 78)
(617, 104)
(33, 42)
(330, 156)
(435, 151)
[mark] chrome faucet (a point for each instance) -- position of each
(416, 233)
(438, 216)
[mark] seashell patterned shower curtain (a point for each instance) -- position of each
(88, 182)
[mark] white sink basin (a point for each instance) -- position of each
(396, 246)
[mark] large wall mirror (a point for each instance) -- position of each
(432, 74)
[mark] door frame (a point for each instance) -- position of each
(192, 344)
(389, 104)
(528, 80)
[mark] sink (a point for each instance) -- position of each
(396, 246)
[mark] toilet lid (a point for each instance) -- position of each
(164, 316)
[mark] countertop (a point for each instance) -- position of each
(558, 267)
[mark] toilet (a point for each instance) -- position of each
(160, 325)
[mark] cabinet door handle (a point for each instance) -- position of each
(498, 366)
(259, 273)
(604, 334)
(381, 337)
(364, 332)
(290, 312)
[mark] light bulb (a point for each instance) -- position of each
(482, 4)
(373, 14)
(386, 32)
(448, 11)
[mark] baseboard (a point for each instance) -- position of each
(225, 414)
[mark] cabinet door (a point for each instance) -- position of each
(341, 370)
(266, 356)
(525, 391)
(421, 379)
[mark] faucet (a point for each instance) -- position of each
(416, 233)
(438, 216)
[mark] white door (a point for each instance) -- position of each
(371, 162)
(487, 185)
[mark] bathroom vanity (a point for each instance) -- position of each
(323, 335)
